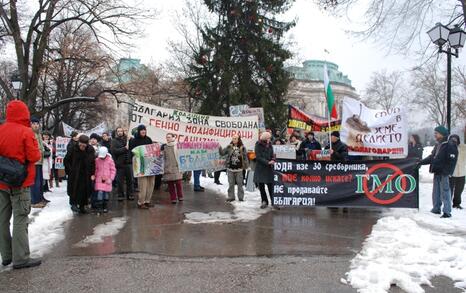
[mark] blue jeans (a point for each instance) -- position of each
(197, 180)
(102, 195)
(37, 193)
(441, 194)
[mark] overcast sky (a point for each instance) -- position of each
(314, 32)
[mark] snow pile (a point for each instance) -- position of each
(247, 210)
(47, 225)
(103, 230)
(408, 248)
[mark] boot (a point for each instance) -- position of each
(32, 262)
(105, 206)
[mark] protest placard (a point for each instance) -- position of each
(203, 155)
(191, 127)
(60, 145)
(388, 183)
(284, 152)
(369, 132)
(147, 160)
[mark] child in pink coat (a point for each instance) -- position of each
(105, 172)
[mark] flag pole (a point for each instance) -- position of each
(326, 98)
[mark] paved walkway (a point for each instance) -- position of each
(296, 250)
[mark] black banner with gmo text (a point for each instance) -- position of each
(388, 183)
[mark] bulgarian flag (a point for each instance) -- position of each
(332, 108)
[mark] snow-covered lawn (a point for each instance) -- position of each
(46, 226)
(247, 210)
(409, 247)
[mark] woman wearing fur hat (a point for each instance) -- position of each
(80, 168)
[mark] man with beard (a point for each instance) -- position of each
(80, 168)
(122, 157)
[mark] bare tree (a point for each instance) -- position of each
(429, 94)
(109, 21)
(74, 66)
(385, 89)
(398, 24)
(460, 104)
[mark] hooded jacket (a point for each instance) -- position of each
(17, 140)
(443, 158)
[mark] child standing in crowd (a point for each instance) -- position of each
(172, 174)
(105, 172)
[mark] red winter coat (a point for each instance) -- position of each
(17, 140)
(104, 169)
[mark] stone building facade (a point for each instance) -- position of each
(306, 91)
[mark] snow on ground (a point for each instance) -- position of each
(101, 231)
(248, 210)
(46, 226)
(409, 247)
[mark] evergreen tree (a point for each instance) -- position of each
(242, 59)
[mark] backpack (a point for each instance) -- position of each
(12, 172)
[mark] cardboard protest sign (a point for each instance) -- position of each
(385, 184)
(60, 145)
(147, 160)
(284, 152)
(369, 132)
(192, 127)
(245, 111)
(203, 155)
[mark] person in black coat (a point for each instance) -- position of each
(442, 162)
(146, 183)
(122, 158)
(415, 148)
(263, 174)
(106, 141)
(339, 151)
(308, 144)
(80, 168)
(73, 142)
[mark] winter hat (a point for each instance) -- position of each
(35, 120)
(74, 133)
(442, 130)
(141, 127)
(336, 134)
(83, 139)
(103, 151)
(95, 136)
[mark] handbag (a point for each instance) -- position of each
(12, 172)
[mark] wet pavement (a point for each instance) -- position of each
(297, 250)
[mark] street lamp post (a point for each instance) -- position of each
(440, 35)
(17, 84)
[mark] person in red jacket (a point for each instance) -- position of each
(17, 141)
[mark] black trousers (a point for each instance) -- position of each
(457, 187)
(217, 175)
(262, 191)
(124, 174)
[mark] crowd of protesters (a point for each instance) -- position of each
(96, 164)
